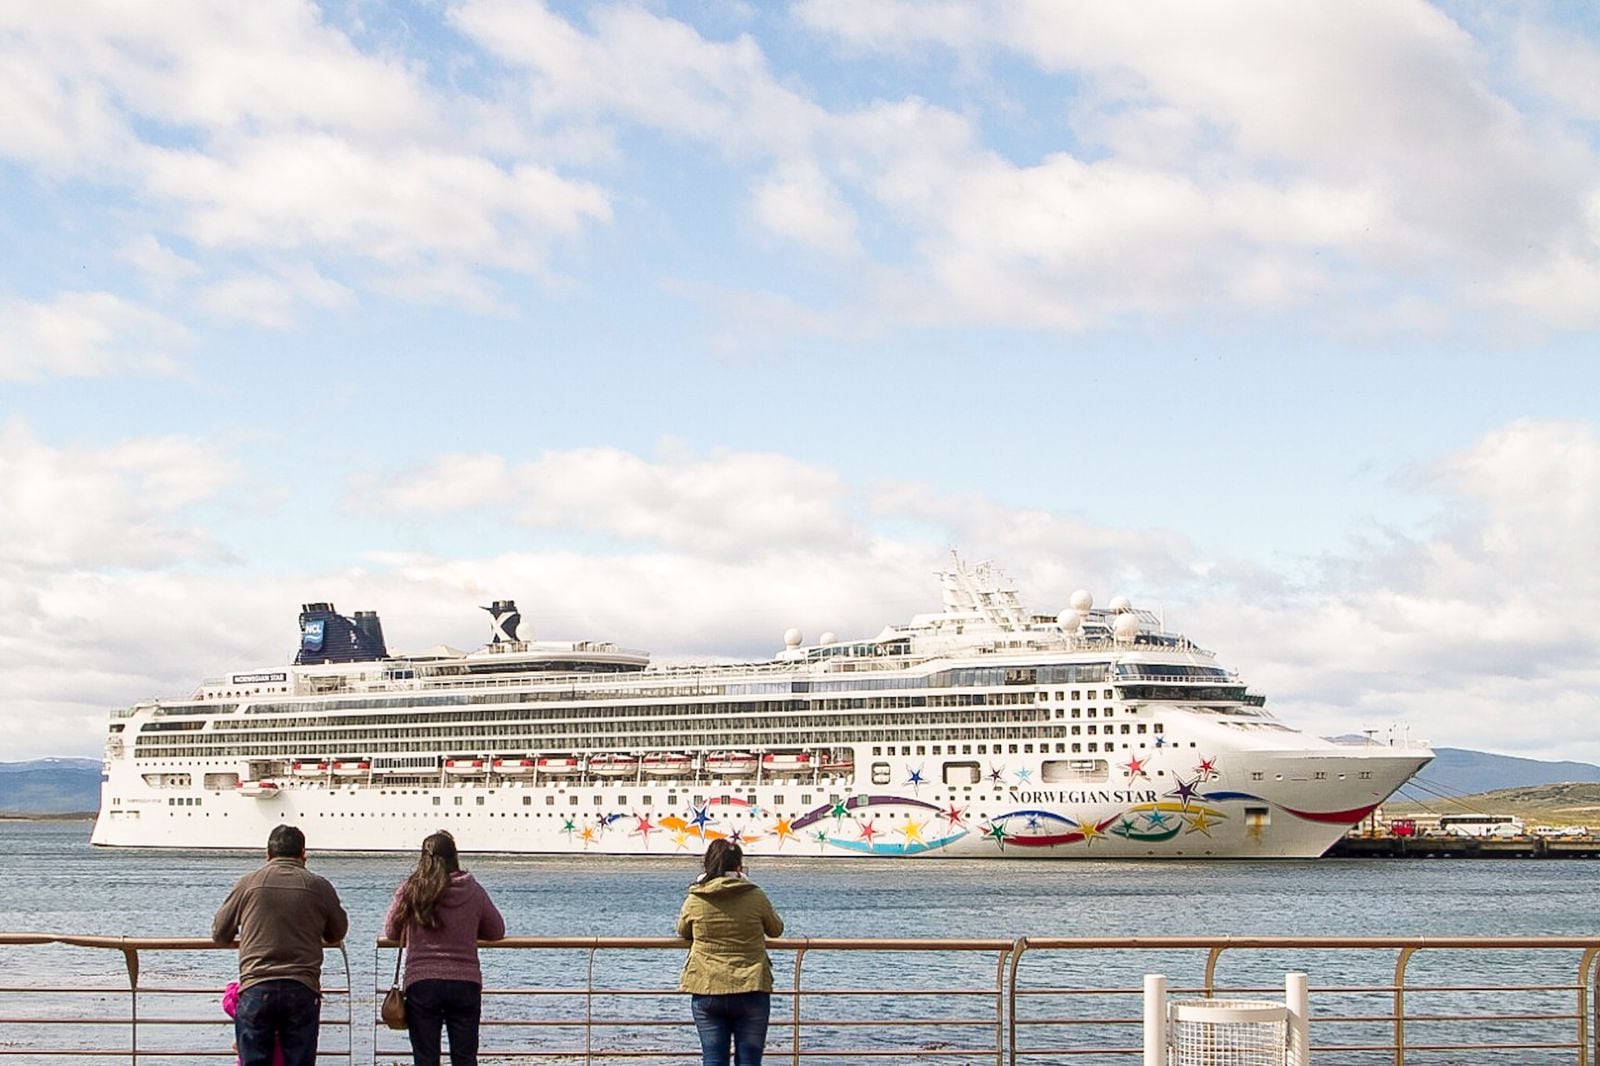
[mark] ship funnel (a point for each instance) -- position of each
(503, 621)
(326, 636)
(367, 622)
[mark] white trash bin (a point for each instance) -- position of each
(1228, 1032)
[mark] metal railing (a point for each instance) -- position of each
(135, 999)
(1375, 1000)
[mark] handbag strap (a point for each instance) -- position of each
(398, 955)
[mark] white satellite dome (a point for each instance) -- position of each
(1120, 605)
(1068, 621)
(792, 638)
(1127, 627)
(827, 638)
(1081, 601)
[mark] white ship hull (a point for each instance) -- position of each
(978, 732)
(1297, 817)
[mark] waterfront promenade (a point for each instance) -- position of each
(1390, 1000)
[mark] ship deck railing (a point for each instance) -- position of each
(1374, 1000)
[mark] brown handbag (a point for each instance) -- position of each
(393, 1011)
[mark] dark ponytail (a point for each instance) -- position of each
(722, 857)
(419, 899)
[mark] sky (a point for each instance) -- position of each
(685, 323)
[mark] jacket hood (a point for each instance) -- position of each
(460, 889)
(721, 887)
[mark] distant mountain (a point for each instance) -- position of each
(50, 786)
(1459, 771)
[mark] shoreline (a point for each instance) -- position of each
(66, 816)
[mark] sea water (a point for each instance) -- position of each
(52, 880)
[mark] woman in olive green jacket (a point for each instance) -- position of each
(727, 919)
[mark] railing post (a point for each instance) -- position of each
(1585, 965)
(130, 956)
(1017, 948)
(1155, 1019)
(1400, 1005)
(794, 1006)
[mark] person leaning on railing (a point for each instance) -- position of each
(728, 975)
(281, 915)
(440, 913)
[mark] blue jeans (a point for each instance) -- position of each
(277, 1014)
(740, 1018)
(453, 1006)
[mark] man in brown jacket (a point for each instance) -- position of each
(281, 915)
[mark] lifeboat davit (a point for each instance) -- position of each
(352, 768)
(513, 766)
(610, 765)
(731, 764)
(465, 767)
(666, 765)
(787, 762)
(310, 769)
(259, 789)
(557, 766)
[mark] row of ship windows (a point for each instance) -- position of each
(787, 723)
(776, 731)
(442, 724)
(314, 714)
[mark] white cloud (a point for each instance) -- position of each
(85, 334)
(260, 128)
(1479, 633)
(157, 261)
(799, 203)
(270, 300)
(727, 504)
(64, 509)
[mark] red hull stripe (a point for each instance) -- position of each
(1349, 817)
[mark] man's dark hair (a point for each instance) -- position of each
(286, 842)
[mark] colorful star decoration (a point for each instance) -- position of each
(912, 832)
(568, 828)
(1023, 775)
(1199, 823)
(1135, 768)
(681, 840)
(915, 780)
(700, 817)
(783, 830)
(1207, 770)
(587, 834)
(868, 827)
(839, 810)
(1089, 830)
(1185, 792)
(997, 776)
(955, 815)
(997, 833)
(644, 828)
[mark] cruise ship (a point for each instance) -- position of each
(982, 730)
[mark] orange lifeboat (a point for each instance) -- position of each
(556, 766)
(613, 765)
(661, 764)
(730, 764)
(787, 762)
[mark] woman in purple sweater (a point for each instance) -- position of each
(441, 913)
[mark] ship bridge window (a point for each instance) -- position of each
(880, 773)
